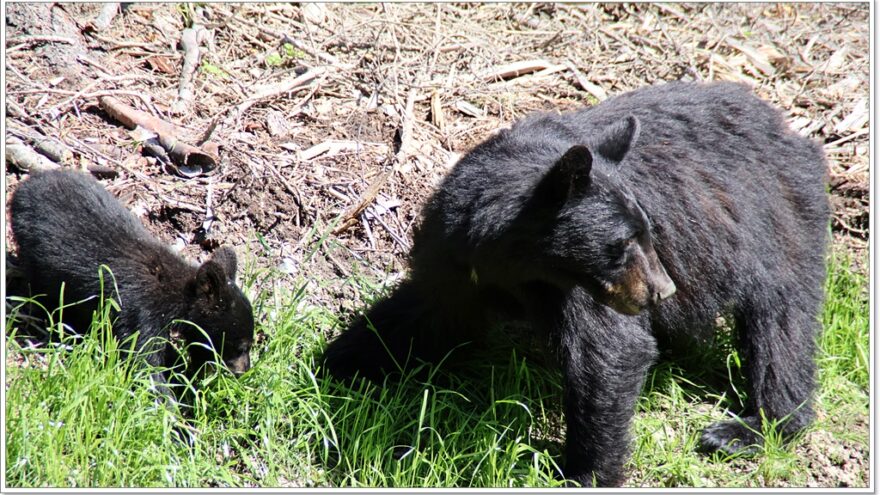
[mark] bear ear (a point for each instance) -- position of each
(210, 280)
(568, 176)
(618, 139)
(225, 257)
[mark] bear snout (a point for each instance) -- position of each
(661, 286)
(663, 292)
(240, 364)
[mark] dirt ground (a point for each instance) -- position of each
(330, 123)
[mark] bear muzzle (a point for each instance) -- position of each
(644, 284)
(239, 364)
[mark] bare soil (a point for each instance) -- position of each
(402, 90)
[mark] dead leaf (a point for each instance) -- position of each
(161, 64)
(277, 124)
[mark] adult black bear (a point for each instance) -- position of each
(67, 226)
(586, 220)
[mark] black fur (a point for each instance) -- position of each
(66, 226)
(586, 219)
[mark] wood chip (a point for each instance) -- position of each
(760, 60)
(855, 120)
(836, 61)
(437, 117)
(515, 69)
(315, 13)
(468, 109)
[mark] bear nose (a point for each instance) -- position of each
(239, 365)
(664, 292)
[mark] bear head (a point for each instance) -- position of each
(222, 317)
(595, 233)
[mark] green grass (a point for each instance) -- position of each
(82, 415)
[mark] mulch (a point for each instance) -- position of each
(330, 124)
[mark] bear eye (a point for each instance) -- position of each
(627, 243)
(617, 252)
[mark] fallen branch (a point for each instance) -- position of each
(351, 216)
(191, 160)
(844, 139)
(53, 149)
(25, 158)
(131, 118)
(530, 77)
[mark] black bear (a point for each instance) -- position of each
(584, 222)
(67, 226)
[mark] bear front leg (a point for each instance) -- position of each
(605, 359)
(161, 357)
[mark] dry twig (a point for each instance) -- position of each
(189, 42)
(350, 218)
(20, 42)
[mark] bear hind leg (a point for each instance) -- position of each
(401, 330)
(778, 346)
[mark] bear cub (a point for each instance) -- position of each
(618, 229)
(67, 226)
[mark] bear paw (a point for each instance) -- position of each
(740, 437)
